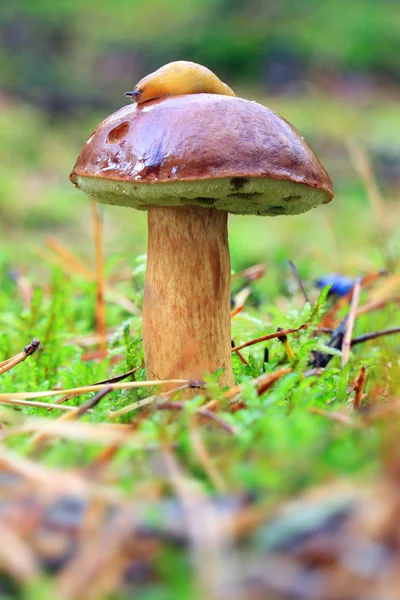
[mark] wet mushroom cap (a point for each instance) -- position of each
(202, 150)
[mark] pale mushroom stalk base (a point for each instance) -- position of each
(186, 315)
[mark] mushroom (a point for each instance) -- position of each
(190, 160)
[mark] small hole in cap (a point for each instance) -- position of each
(118, 133)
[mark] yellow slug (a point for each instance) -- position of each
(177, 78)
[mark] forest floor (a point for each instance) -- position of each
(284, 486)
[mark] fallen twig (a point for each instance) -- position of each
(299, 280)
(328, 320)
(346, 344)
(16, 556)
(335, 416)
(69, 259)
(359, 388)
(92, 388)
(251, 273)
(39, 439)
(20, 402)
(376, 305)
(54, 480)
(139, 403)
(239, 354)
(100, 304)
(361, 163)
(30, 349)
(115, 379)
(201, 411)
(262, 383)
(374, 335)
(271, 336)
(203, 456)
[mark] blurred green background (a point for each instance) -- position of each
(332, 68)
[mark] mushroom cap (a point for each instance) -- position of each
(202, 150)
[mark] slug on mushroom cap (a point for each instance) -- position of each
(178, 78)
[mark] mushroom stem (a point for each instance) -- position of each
(186, 315)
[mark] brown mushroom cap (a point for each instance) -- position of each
(202, 150)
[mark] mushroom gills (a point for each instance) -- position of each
(258, 195)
